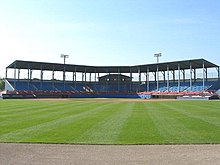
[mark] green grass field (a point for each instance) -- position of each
(110, 121)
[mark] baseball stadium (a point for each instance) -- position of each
(162, 103)
(189, 78)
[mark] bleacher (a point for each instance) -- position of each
(92, 87)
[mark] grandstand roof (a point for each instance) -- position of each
(185, 64)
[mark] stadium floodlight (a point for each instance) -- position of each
(158, 55)
(64, 56)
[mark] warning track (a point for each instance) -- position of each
(56, 154)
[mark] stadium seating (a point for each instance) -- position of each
(59, 87)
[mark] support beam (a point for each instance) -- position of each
(139, 75)
(41, 73)
(184, 75)
(164, 76)
(131, 80)
(85, 75)
(82, 77)
(190, 81)
(203, 76)
(31, 72)
(95, 76)
(53, 73)
(28, 72)
(41, 77)
(15, 75)
(194, 74)
(119, 77)
(19, 71)
(157, 78)
(178, 77)
(148, 80)
(168, 78)
(218, 72)
(6, 73)
(174, 77)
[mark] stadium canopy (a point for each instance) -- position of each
(143, 71)
(176, 65)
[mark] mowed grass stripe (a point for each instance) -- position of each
(206, 128)
(109, 128)
(41, 115)
(38, 109)
(94, 121)
(43, 127)
(208, 114)
(168, 125)
(70, 131)
(176, 127)
(140, 128)
(35, 110)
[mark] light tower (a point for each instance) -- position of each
(64, 56)
(157, 55)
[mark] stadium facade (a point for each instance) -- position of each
(149, 80)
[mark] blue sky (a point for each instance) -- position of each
(115, 32)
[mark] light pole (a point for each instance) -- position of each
(64, 56)
(157, 55)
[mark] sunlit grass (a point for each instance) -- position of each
(91, 121)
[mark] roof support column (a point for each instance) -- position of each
(15, 75)
(139, 79)
(31, 71)
(174, 78)
(164, 76)
(64, 70)
(184, 77)
(73, 76)
(131, 80)
(95, 75)
(6, 73)
(119, 78)
(168, 78)
(194, 74)
(82, 76)
(203, 76)
(19, 71)
(85, 75)
(107, 82)
(147, 79)
(53, 78)
(218, 72)
(53, 74)
(157, 77)
(28, 72)
(178, 77)
(95, 80)
(190, 80)
(206, 74)
(139, 75)
(41, 76)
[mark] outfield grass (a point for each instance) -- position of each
(91, 121)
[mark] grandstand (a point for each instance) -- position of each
(112, 81)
